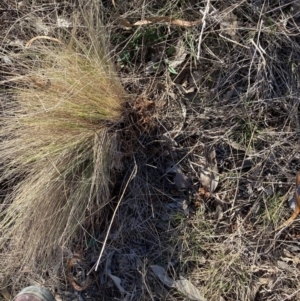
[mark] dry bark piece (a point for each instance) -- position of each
(118, 282)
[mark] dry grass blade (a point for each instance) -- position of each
(56, 145)
(132, 175)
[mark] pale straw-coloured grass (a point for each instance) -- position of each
(57, 140)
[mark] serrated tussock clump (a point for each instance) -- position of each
(58, 136)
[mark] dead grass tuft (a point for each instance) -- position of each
(58, 135)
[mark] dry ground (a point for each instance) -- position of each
(213, 144)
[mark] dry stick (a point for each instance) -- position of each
(256, 49)
(297, 205)
(260, 50)
(132, 175)
(161, 19)
(153, 20)
(203, 27)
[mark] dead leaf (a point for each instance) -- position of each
(117, 282)
(229, 24)
(179, 56)
(182, 285)
(161, 274)
(189, 290)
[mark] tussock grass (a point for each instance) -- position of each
(58, 133)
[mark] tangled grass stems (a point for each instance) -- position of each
(57, 146)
